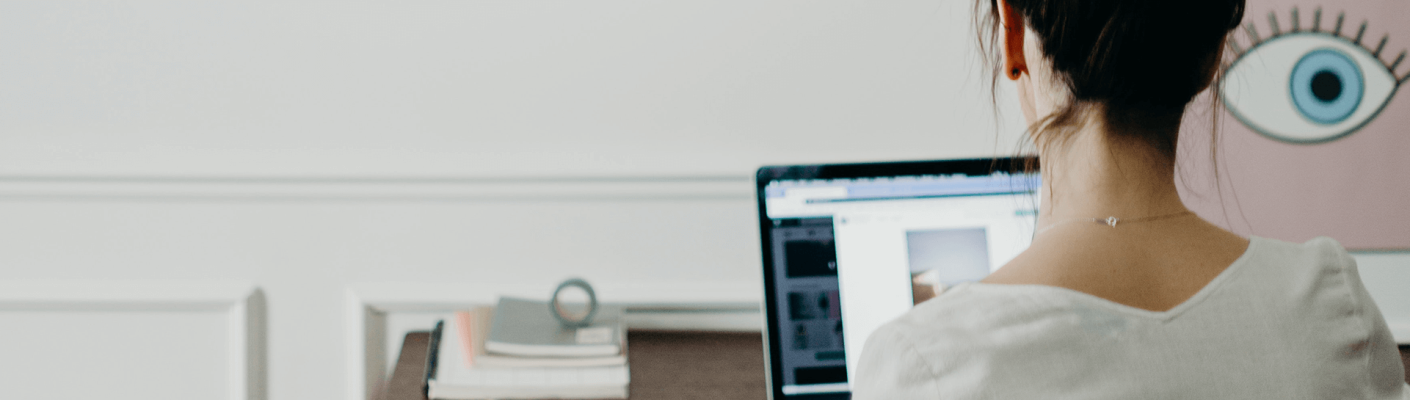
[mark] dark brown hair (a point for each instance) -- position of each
(1138, 63)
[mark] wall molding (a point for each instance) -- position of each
(374, 189)
(243, 305)
(655, 306)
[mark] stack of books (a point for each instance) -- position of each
(518, 350)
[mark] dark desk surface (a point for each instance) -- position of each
(664, 365)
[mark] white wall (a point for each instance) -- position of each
(194, 368)
(311, 146)
(482, 88)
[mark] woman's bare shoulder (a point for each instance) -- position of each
(1147, 269)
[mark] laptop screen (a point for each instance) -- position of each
(851, 254)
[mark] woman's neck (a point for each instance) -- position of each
(1098, 175)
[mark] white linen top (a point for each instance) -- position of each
(1284, 321)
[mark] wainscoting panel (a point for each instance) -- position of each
(138, 341)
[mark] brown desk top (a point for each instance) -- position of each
(664, 365)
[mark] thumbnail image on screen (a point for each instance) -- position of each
(942, 258)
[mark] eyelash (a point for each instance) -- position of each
(1252, 33)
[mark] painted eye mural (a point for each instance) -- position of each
(1310, 85)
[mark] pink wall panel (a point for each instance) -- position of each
(1326, 161)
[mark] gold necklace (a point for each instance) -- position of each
(1112, 221)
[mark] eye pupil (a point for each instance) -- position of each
(1326, 86)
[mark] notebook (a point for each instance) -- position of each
(473, 326)
(527, 328)
(450, 379)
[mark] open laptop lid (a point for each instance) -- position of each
(920, 226)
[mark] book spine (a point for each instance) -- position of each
(432, 351)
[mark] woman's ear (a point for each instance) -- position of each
(1012, 22)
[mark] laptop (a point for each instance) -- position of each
(848, 247)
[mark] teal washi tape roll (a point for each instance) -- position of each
(568, 319)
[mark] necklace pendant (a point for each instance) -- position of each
(1112, 221)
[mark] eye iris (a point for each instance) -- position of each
(1326, 86)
